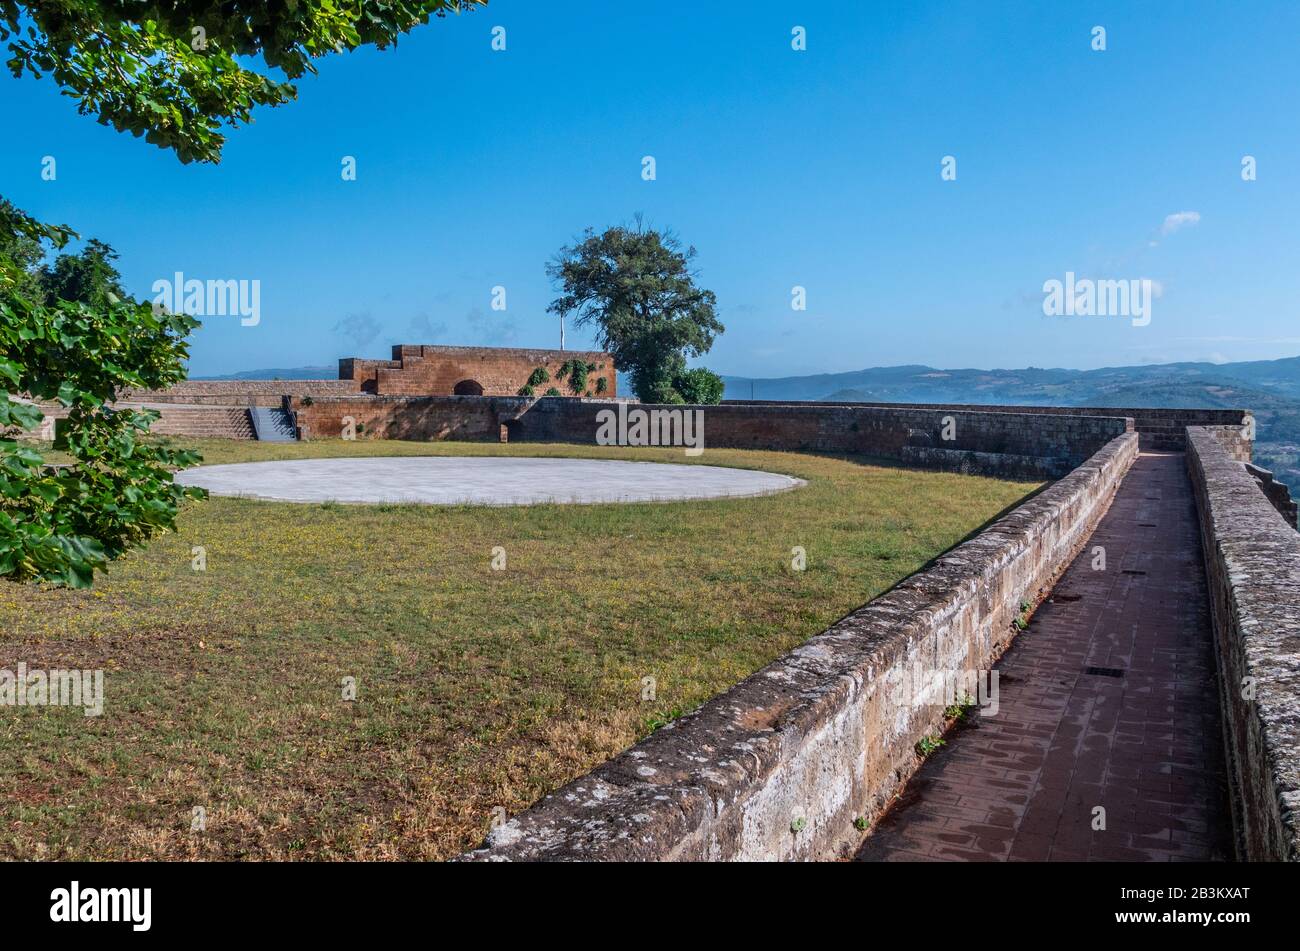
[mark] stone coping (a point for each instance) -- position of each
(1253, 569)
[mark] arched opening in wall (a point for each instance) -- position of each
(468, 388)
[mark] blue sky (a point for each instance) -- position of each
(818, 168)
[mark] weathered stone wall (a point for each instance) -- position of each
(1004, 444)
(781, 765)
(239, 392)
(1009, 444)
(1278, 493)
(1231, 437)
(500, 371)
(1252, 566)
(1161, 429)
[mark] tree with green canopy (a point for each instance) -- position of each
(635, 284)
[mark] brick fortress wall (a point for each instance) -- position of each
(500, 371)
(1004, 444)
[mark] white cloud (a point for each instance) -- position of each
(1180, 220)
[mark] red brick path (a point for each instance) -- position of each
(1146, 746)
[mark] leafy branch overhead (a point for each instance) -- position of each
(178, 72)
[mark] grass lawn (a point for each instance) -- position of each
(476, 688)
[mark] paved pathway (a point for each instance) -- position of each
(487, 480)
(1140, 737)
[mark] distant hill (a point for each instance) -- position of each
(292, 373)
(1270, 388)
(919, 384)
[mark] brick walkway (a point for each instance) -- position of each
(1143, 742)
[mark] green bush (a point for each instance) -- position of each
(699, 386)
(576, 371)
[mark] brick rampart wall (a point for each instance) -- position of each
(468, 418)
(500, 371)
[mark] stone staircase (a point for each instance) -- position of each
(272, 425)
(204, 422)
(195, 421)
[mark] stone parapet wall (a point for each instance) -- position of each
(783, 764)
(1278, 493)
(1252, 566)
(1008, 444)
(1231, 438)
(1161, 429)
(239, 392)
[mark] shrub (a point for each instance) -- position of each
(576, 371)
(699, 386)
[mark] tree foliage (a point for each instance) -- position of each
(70, 338)
(89, 277)
(636, 286)
(177, 72)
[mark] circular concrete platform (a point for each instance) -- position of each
(464, 480)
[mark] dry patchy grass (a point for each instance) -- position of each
(476, 688)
